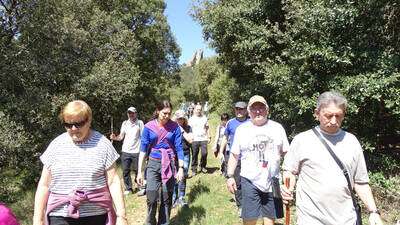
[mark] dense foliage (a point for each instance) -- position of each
(112, 54)
(292, 50)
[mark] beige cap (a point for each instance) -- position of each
(257, 98)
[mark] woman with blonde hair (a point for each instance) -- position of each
(79, 182)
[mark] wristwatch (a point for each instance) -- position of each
(375, 211)
(229, 176)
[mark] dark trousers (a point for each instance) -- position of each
(128, 161)
(225, 163)
(89, 220)
(236, 176)
(153, 186)
(196, 146)
(238, 192)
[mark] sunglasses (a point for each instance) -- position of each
(77, 124)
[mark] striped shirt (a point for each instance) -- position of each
(78, 166)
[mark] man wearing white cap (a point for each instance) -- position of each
(260, 142)
(131, 130)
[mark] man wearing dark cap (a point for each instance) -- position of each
(226, 143)
(131, 130)
(260, 143)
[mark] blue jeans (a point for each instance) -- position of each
(180, 187)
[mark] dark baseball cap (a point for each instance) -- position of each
(241, 105)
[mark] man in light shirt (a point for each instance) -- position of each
(260, 142)
(201, 137)
(131, 130)
(322, 192)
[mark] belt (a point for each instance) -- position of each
(154, 159)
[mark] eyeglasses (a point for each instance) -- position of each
(258, 109)
(76, 124)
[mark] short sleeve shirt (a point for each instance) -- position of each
(322, 187)
(132, 131)
(78, 166)
(261, 148)
(199, 126)
(230, 129)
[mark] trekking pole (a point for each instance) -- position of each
(287, 211)
(112, 127)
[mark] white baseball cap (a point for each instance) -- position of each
(132, 109)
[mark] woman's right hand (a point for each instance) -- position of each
(38, 221)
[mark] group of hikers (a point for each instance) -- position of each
(325, 165)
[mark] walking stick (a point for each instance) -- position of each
(287, 211)
(112, 129)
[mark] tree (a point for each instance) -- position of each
(112, 54)
(291, 51)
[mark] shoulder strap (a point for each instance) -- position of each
(339, 163)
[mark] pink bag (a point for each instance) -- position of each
(6, 216)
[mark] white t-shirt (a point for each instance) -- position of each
(323, 197)
(261, 148)
(132, 133)
(199, 126)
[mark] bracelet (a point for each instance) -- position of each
(375, 211)
(229, 176)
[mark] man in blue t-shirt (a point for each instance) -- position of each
(226, 143)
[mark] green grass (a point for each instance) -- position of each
(209, 201)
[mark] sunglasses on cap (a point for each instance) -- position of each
(76, 124)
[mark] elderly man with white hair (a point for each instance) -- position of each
(330, 166)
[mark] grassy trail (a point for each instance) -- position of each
(209, 202)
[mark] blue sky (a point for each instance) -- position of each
(187, 32)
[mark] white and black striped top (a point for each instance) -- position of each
(78, 166)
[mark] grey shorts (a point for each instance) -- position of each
(257, 204)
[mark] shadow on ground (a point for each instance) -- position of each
(212, 169)
(187, 214)
(197, 189)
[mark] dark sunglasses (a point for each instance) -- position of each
(77, 124)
